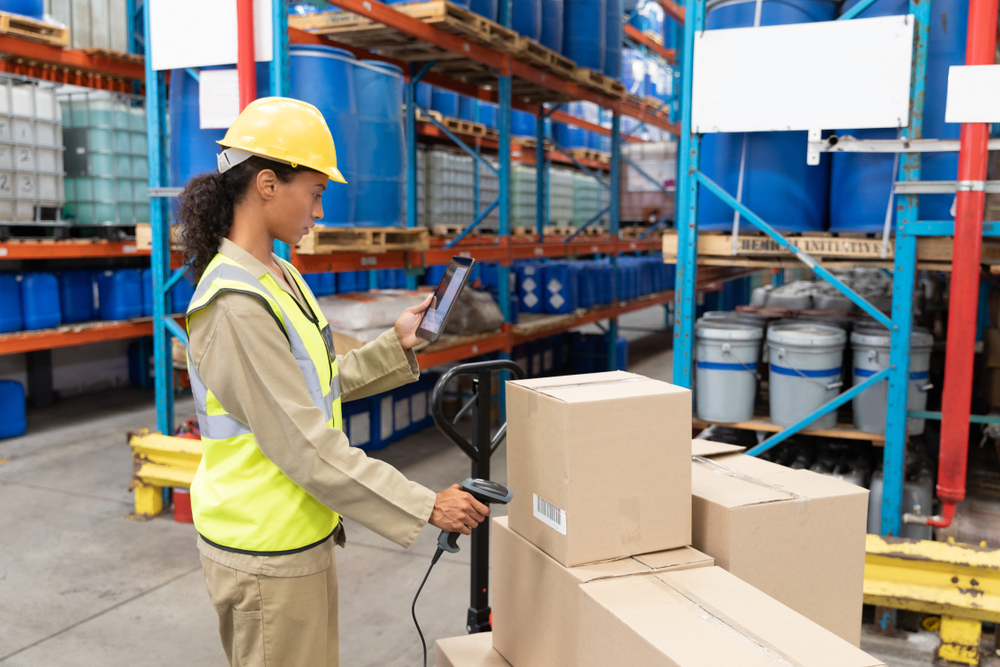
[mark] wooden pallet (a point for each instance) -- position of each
(449, 231)
(531, 52)
(633, 233)
(588, 154)
(458, 125)
(635, 99)
(37, 31)
(653, 102)
(836, 250)
(114, 55)
(560, 231)
(599, 82)
(356, 30)
(324, 240)
(144, 236)
(653, 37)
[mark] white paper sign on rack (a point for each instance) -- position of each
(973, 94)
(202, 33)
(218, 98)
(830, 75)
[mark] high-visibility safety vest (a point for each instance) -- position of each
(240, 500)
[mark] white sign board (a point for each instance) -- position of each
(202, 33)
(973, 94)
(218, 98)
(811, 76)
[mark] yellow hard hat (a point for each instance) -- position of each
(284, 130)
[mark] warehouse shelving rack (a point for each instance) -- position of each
(503, 248)
(968, 230)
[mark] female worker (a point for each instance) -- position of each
(277, 470)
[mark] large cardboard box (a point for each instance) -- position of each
(704, 616)
(536, 601)
(468, 651)
(796, 535)
(598, 465)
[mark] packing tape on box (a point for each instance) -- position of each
(591, 384)
(725, 470)
(727, 625)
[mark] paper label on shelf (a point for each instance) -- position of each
(218, 99)
(549, 514)
(194, 33)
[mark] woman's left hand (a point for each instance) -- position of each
(406, 325)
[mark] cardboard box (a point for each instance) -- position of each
(536, 601)
(598, 465)
(699, 617)
(468, 651)
(796, 535)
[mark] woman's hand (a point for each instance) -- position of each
(406, 325)
(457, 511)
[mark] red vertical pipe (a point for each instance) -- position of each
(246, 67)
(964, 292)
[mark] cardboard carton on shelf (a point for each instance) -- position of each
(468, 651)
(536, 601)
(598, 465)
(794, 534)
(704, 616)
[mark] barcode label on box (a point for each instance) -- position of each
(550, 515)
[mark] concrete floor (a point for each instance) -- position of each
(80, 585)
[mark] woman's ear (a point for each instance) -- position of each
(267, 184)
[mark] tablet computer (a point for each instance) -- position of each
(445, 297)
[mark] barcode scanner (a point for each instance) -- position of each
(486, 492)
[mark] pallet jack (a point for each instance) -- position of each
(480, 449)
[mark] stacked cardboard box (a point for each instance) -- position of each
(594, 564)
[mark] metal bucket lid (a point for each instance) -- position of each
(756, 318)
(319, 50)
(727, 330)
(870, 336)
(806, 334)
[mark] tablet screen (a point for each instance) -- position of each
(444, 297)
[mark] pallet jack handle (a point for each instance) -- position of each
(479, 449)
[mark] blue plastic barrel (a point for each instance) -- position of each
(634, 72)
(347, 282)
(40, 301)
(530, 291)
(613, 38)
(312, 282)
(146, 276)
(552, 25)
(434, 274)
(119, 294)
(487, 114)
(487, 8)
(381, 158)
(193, 150)
(778, 185)
(584, 34)
(327, 284)
(468, 108)
(526, 18)
(33, 8)
(324, 77)
(522, 124)
(13, 420)
(180, 295)
(445, 102)
(672, 34)
(860, 183)
(76, 296)
(11, 317)
(425, 95)
(560, 288)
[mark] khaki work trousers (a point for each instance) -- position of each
(276, 621)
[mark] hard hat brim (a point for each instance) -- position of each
(331, 172)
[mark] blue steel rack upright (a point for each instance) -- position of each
(908, 229)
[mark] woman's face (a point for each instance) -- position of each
(295, 206)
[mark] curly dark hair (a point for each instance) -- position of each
(207, 203)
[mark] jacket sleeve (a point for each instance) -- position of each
(379, 366)
(245, 361)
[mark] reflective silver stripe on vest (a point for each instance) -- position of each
(214, 427)
(299, 351)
